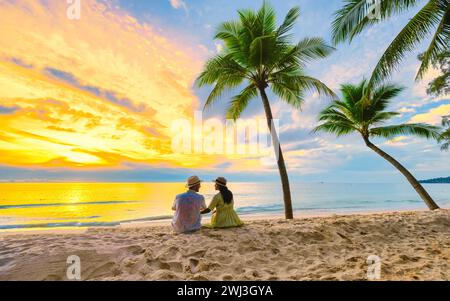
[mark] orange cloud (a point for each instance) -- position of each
(433, 116)
(91, 92)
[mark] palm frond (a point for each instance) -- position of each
(215, 94)
(289, 93)
(349, 110)
(361, 110)
(416, 129)
(347, 19)
(355, 16)
(439, 43)
(261, 54)
(310, 49)
(381, 117)
(229, 30)
(290, 87)
(336, 119)
(247, 18)
(410, 36)
(222, 72)
(337, 128)
(261, 50)
(333, 114)
(266, 21)
(380, 99)
(219, 68)
(307, 50)
(241, 101)
(384, 94)
(289, 21)
(353, 93)
(314, 85)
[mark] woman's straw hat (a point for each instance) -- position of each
(221, 181)
(193, 181)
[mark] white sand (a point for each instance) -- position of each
(411, 246)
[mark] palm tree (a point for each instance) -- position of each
(260, 55)
(433, 18)
(445, 135)
(364, 111)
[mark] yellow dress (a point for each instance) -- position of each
(225, 216)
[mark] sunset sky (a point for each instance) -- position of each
(94, 99)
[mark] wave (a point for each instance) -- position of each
(148, 219)
(403, 201)
(83, 224)
(3, 207)
(59, 225)
(271, 208)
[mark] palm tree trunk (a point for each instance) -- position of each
(413, 181)
(279, 154)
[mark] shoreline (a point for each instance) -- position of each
(205, 220)
(412, 245)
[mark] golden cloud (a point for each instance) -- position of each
(433, 116)
(91, 92)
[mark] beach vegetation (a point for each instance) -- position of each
(257, 56)
(363, 110)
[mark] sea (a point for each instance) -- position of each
(68, 205)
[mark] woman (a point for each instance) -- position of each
(224, 216)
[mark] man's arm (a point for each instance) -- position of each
(174, 206)
(211, 206)
(204, 209)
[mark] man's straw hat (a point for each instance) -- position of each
(193, 181)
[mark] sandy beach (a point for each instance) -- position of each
(410, 245)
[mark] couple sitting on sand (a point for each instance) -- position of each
(189, 207)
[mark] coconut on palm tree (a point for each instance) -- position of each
(363, 110)
(433, 19)
(258, 55)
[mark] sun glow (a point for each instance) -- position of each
(89, 92)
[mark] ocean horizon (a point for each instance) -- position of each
(75, 205)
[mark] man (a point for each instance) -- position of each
(187, 207)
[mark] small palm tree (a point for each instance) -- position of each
(433, 18)
(364, 111)
(260, 55)
(445, 135)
